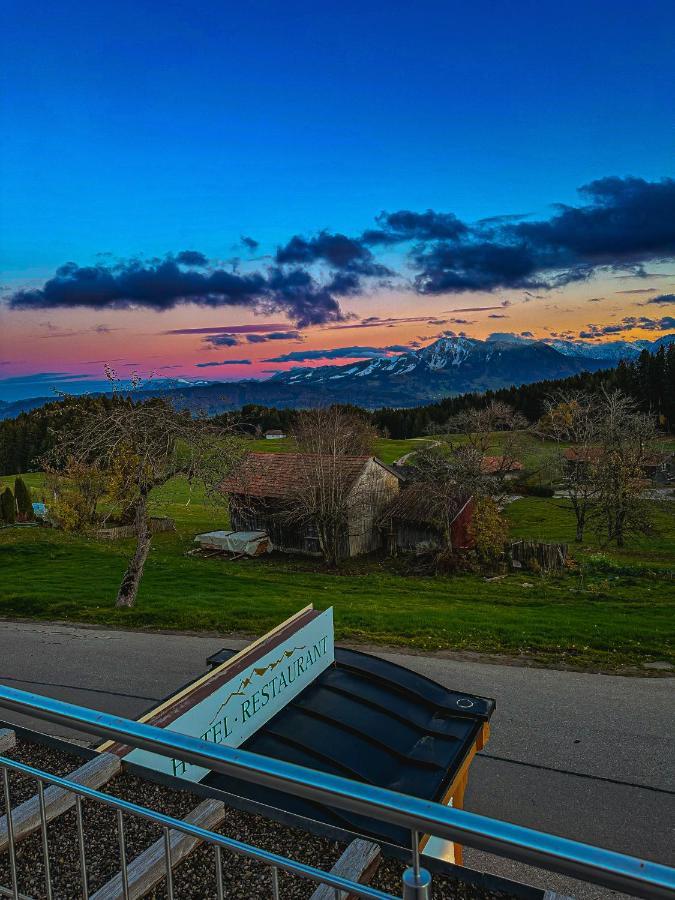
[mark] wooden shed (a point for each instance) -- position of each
(414, 520)
(262, 494)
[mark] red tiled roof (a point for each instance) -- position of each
(284, 474)
(494, 464)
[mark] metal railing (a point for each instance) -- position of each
(629, 874)
(167, 824)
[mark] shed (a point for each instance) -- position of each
(267, 487)
(414, 520)
(274, 434)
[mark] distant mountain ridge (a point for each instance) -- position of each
(451, 365)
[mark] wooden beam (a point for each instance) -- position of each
(26, 817)
(149, 868)
(7, 739)
(359, 863)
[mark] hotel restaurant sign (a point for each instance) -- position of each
(228, 711)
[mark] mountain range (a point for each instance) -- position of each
(451, 365)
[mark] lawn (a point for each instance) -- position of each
(386, 450)
(610, 611)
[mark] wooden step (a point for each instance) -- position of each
(26, 817)
(359, 863)
(7, 739)
(148, 869)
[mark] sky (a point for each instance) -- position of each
(222, 191)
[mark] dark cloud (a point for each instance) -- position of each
(163, 284)
(192, 258)
(274, 336)
(249, 242)
(629, 323)
(221, 340)
(661, 300)
(404, 225)
(224, 362)
(497, 316)
(621, 225)
(338, 353)
(649, 290)
(624, 223)
(230, 329)
(342, 253)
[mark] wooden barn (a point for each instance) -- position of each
(266, 490)
(414, 521)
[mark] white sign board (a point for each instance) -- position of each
(238, 707)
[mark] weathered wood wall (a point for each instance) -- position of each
(533, 554)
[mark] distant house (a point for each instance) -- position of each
(501, 465)
(655, 465)
(414, 520)
(274, 434)
(261, 495)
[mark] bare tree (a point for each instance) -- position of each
(603, 471)
(326, 497)
(461, 465)
(627, 449)
(138, 447)
(576, 418)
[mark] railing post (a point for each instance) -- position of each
(416, 886)
(416, 881)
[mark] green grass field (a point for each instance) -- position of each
(612, 610)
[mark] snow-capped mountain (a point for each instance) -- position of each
(456, 364)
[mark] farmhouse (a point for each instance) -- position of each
(265, 494)
(274, 434)
(656, 465)
(416, 520)
(502, 465)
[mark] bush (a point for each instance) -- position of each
(539, 490)
(7, 507)
(24, 502)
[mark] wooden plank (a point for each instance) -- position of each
(26, 817)
(7, 739)
(359, 863)
(149, 868)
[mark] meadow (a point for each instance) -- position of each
(611, 610)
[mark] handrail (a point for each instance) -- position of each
(629, 874)
(203, 834)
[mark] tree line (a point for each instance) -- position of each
(649, 381)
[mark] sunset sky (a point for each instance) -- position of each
(220, 191)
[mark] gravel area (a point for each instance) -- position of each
(194, 878)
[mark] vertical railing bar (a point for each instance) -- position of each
(415, 852)
(275, 883)
(10, 834)
(123, 855)
(80, 837)
(219, 873)
(167, 858)
(45, 839)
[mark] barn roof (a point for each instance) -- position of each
(418, 503)
(284, 474)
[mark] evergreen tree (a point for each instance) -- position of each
(7, 507)
(24, 502)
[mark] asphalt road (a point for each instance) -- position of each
(585, 756)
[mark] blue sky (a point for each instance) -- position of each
(147, 128)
